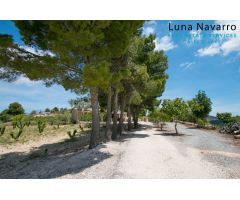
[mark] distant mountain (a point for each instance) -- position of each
(210, 118)
(214, 120)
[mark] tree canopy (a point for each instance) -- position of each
(226, 117)
(201, 105)
(176, 109)
(75, 54)
(15, 109)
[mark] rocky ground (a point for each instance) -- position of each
(144, 153)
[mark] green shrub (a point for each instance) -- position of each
(64, 118)
(4, 116)
(18, 121)
(86, 117)
(72, 135)
(17, 135)
(27, 123)
(190, 118)
(2, 130)
(27, 120)
(201, 123)
(51, 121)
(41, 125)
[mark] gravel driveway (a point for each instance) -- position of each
(145, 153)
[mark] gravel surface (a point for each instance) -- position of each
(145, 153)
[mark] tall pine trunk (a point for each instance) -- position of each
(135, 119)
(115, 117)
(122, 108)
(94, 139)
(108, 132)
(129, 118)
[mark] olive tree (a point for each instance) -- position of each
(176, 109)
(160, 117)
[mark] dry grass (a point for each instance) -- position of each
(31, 133)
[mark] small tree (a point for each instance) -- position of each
(159, 117)
(194, 107)
(55, 109)
(41, 125)
(4, 116)
(176, 109)
(2, 130)
(72, 134)
(226, 117)
(18, 121)
(47, 110)
(34, 112)
(201, 105)
(15, 109)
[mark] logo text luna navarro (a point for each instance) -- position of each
(202, 27)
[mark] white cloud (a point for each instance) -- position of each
(194, 35)
(148, 30)
(227, 22)
(151, 22)
(224, 45)
(227, 47)
(211, 50)
(231, 45)
(195, 32)
(25, 81)
(187, 65)
(165, 43)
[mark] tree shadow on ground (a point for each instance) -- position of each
(171, 134)
(131, 134)
(160, 130)
(53, 160)
(193, 127)
(142, 127)
(21, 165)
(58, 159)
(126, 136)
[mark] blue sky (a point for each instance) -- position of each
(196, 62)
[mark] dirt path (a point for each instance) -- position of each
(146, 153)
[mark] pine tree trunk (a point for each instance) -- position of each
(108, 132)
(129, 118)
(95, 118)
(122, 108)
(135, 119)
(115, 117)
